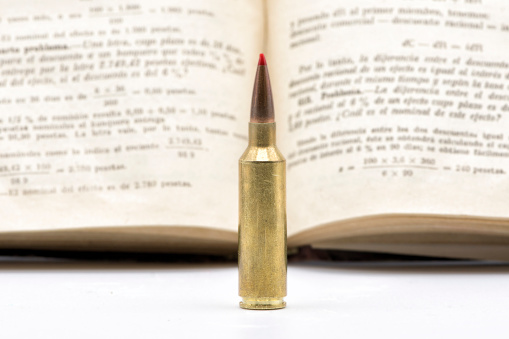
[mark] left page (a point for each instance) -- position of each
(124, 113)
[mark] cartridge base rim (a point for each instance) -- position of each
(262, 303)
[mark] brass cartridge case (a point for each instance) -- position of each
(262, 221)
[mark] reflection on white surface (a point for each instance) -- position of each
(131, 300)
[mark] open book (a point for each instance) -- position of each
(121, 123)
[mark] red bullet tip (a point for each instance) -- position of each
(262, 61)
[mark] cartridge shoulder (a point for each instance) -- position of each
(262, 154)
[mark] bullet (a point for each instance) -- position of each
(262, 206)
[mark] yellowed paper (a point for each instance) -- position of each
(116, 113)
(391, 107)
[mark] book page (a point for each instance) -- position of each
(119, 113)
(392, 107)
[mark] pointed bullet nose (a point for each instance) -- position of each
(262, 61)
(262, 107)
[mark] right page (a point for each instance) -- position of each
(391, 107)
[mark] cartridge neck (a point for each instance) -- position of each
(262, 134)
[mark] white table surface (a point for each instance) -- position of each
(147, 300)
